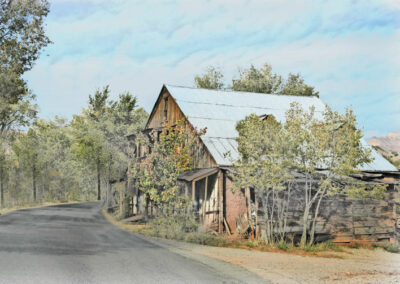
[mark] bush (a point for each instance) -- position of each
(282, 245)
(204, 238)
(174, 226)
(393, 248)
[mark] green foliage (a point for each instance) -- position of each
(324, 150)
(22, 34)
(22, 38)
(258, 80)
(212, 79)
(255, 80)
(393, 248)
(160, 169)
(282, 245)
(57, 159)
(174, 227)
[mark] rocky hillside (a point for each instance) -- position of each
(388, 146)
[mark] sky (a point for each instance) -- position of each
(348, 50)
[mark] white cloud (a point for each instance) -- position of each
(350, 55)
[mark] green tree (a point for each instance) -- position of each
(159, 170)
(258, 80)
(22, 38)
(265, 166)
(321, 151)
(28, 152)
(100, 134)
(212, 79)
(255, 80)
(22, 33)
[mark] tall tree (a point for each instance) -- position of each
(22, 38)
(28, 151)
(258, 80)
(255, 80)
(212, 79)
(316, 154)
(100, 133)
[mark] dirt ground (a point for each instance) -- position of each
(350, 266)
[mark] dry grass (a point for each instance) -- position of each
(326, 250)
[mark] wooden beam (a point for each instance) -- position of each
(220, 201)
(193, 190)
(205, 199)
(227, 227)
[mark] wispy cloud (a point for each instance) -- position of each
(347, 49)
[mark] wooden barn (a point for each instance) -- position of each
(209, 184)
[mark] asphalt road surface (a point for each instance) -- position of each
(74, 243)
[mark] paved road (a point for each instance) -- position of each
(74, 243)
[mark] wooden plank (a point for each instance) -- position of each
(205, 199)
(220, 201)
(227, 227)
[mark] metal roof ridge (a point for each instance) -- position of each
(243, 92)
(236, 106)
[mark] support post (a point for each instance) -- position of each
(193, 195)
(205, 200)
(220, 202)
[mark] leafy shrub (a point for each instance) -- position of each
(204, 238)
(283, 245)
(394, 248)
(173, 226)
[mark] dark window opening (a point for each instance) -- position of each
(166, 108)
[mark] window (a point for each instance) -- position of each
(166, 108)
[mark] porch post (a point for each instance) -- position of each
(220, 202)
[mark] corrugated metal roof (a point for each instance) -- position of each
(220, 110)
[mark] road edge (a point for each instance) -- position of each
(241, 274)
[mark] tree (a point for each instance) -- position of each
(255, 80)
(264, 166)
(316, 154)
(22, 38)
(212, 79)
(295, 86)
(22, 33)
(28, 152)
(100, 134)
(170, 155)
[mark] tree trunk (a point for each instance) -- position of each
(109, 197)
(2, 185)
(146, 207)
(34, 182)
(98, 180)
(312, 232)
(305, 216)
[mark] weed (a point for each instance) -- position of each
(283, 245)
(393, 248)
(250, 244)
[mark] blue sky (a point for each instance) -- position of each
(348, 50)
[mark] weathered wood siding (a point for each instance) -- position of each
(341, 218)
(167, 111)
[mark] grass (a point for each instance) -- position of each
(325, 249)
(393, 248)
